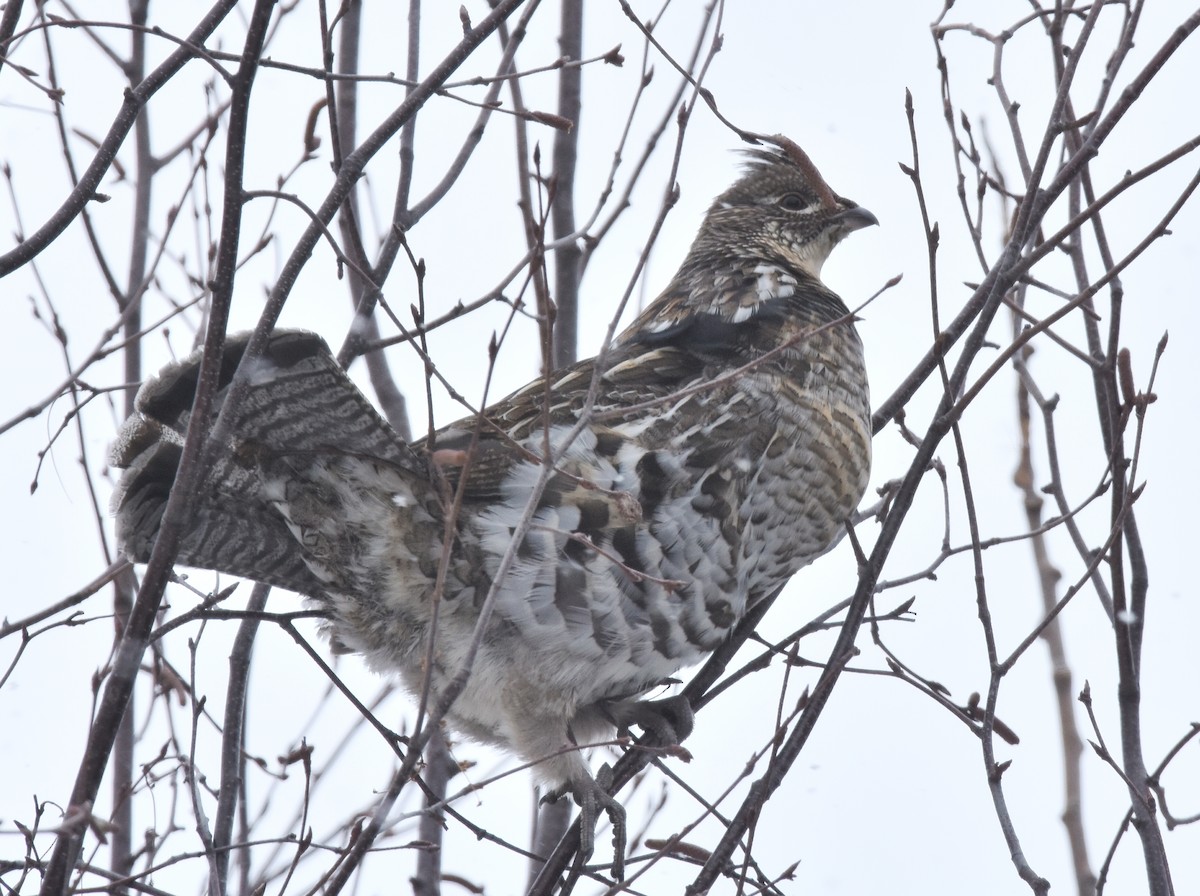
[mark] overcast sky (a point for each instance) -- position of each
(890, 795)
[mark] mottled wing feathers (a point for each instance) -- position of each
(513, 430)
(642, 506)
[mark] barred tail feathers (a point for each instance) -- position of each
(299, 402)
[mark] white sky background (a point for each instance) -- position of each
(890, 795)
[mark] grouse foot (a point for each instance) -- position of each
(592, 796)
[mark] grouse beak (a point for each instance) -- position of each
(856, 218)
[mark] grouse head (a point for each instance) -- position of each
(762, 242)
(781, 211)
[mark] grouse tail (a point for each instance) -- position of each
(299, 402)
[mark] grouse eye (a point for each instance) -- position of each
(792, 202)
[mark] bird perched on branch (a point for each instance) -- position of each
(575, 545)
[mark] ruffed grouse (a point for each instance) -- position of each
(719, 445)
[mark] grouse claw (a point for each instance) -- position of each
(593, 796)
